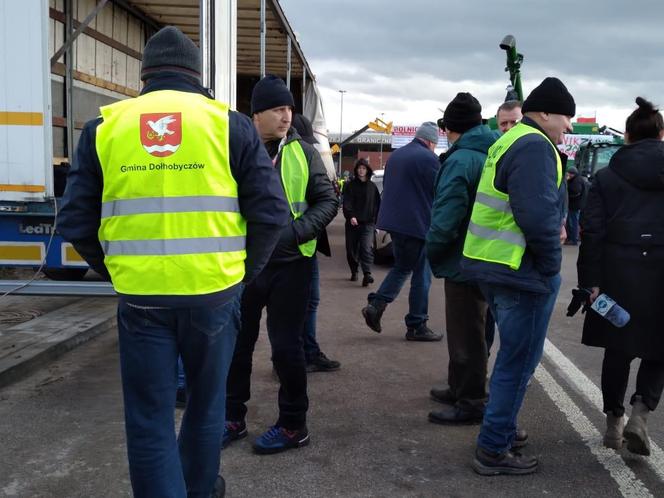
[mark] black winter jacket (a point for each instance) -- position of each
(577, 190)
(622, 249)
(320, 196)
(361, 201)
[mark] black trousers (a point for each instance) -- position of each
(615, 375)
(284, 290)
(465, 313)
(359, 250)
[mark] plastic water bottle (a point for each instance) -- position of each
(611, 310)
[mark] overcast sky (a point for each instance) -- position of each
(407, 58)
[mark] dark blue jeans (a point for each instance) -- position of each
(522, 318)
(573, 226)
(311, 347)
(409, 258)
(150, 342)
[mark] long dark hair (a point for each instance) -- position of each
(645, 122)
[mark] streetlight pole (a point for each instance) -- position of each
(341, 126)
(381, 142)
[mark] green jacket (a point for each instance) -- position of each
(455, 189)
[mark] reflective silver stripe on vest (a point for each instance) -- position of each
(168, 247)
(489, 234)
(300, 207)
(492, 202)
(188, 204)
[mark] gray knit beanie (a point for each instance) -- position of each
(428, 131)
(170, 50)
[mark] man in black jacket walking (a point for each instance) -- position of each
(577, 189)
(361, 204)
(283, 288)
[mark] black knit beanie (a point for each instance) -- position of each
(462, 114)
(550, 96)
(270, 92)
(170, 50)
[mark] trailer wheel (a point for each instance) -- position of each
(65, 273)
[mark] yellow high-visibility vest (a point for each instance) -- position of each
(493, 234)
(170, 215)
(294, 178)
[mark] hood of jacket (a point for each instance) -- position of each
(479, 139)
(641, 164)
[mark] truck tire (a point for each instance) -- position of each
(65, 273)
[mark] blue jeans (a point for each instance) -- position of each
(522, 318)
(311, 347)
(409, 258)
(150, 342)
(573, 226)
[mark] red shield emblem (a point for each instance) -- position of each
(161, 133)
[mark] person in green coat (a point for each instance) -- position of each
(465, 307)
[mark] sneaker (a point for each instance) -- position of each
(180, 397)
(233, 431)
(520, 439)
(453, 415)
(444, 396)
(322, 363)
(219, 490)
(372, 314)
(277, 439)
(422, 333)
(368, 279)
(508, 463)
(353, 277)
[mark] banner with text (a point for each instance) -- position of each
(402, 135)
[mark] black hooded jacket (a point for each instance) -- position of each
(361, 199)
(622, 249)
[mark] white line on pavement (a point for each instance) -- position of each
(585, 386)
(630, 486)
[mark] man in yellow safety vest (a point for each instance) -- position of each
(283, 288)
(172, 197)
(512, 248)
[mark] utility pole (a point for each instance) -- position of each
(381, 142)
(341, 126)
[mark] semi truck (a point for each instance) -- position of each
(63, 59)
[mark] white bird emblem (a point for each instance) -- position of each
(160, 127)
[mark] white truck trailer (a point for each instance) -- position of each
(63, 59)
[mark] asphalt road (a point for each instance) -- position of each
(62, 428)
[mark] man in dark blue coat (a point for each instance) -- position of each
(518, 264)
(405, 212)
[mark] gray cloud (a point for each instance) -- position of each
(607, 52)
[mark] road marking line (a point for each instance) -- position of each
(585, 386)
(630, 486)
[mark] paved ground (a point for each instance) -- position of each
(62, 433)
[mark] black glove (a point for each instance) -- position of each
(580, 297)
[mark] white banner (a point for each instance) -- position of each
(402, 135)
(571, 143)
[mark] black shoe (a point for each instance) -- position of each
(454, 415)
(322, 363)
(353, 276)
(219, 490)
(423, 333)
(444, 396)
(508, 463)
(368, 279)
(520, 439)
(180, 397)
(372, 314)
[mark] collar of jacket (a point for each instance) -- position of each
(533, 124)
(174, 81)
